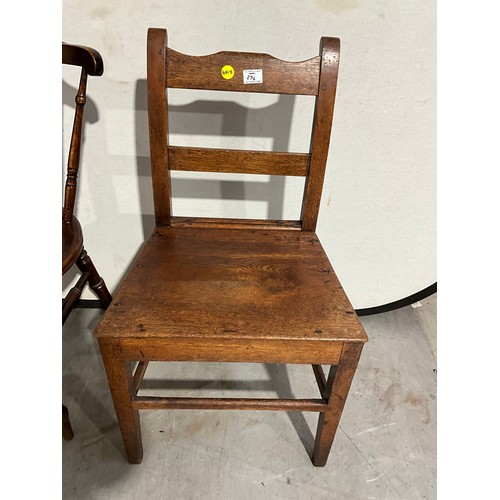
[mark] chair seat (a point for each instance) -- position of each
(241, 284)
(72, 243)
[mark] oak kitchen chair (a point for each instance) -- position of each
(73, 251)
(228, 290)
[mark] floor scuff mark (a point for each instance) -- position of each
(376, 428)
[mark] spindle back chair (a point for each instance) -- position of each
(73, 251)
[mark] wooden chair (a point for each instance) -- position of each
(229, 290)
(73, 251)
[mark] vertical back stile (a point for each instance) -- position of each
(74, 151)
(322, 126)
(158, 124)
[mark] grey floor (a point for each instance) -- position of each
(385, 447)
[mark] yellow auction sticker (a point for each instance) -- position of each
(227, 72)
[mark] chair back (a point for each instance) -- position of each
(240, 72)
(91, 63)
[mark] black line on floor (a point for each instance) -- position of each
(426, 292)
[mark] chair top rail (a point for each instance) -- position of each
(85, 57)
(242, 72)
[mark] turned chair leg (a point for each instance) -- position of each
(121, 386)
(90, 274)
(97, 284)
(67, 430)
(336, 390)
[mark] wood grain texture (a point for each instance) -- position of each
(227, 349)
(139, 373)
(233, 290)
(220, 283)
(238, 161)
(320, 377)
(222, 223)
(279, 77)
(168, 68)
(170, 403)
(322, 126)
(337, 386)
(158, 124)
(122, 389)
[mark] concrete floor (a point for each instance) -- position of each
(385, 447)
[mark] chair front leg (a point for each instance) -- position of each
(336, 390)
(121, 385)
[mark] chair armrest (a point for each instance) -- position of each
(86, 57)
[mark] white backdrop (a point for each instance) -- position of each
(378, 215)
